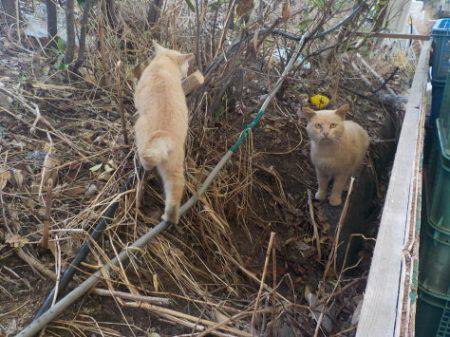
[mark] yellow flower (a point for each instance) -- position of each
(319, 101)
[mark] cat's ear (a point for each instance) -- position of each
(307, 113)
(342, 111)
(185, 58)
(158, 47)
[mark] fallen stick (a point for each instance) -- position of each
(254, 278)
(263, 278)
(375, 74)
(315, 227)
(193, 326)
(334, 248)
(394, 36)
(133, 297)
(119, 99)
(165, 311)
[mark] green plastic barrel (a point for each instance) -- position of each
(433, 307)
(439, 214)
(432, 315)
(434, 275)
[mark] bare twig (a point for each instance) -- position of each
(261, 286)
(315, 227)
(133, 297)
(333, 252)
(120, 104)
(165, 311)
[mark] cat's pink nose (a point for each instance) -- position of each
(325, 134)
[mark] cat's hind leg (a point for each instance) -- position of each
(173, 190)
(338, 186)
(322, 180)
(140, 189)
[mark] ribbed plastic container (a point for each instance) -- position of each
(432, 316)
(441, 50)
(437, 94)
(439, 203)
(433, 307)
(434, 274)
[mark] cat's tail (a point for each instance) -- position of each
(157, 151)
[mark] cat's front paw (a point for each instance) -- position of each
(320, 195)
(335, 200)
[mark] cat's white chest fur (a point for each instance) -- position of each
(325, 158)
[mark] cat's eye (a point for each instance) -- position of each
(333, 125)
(317, 126)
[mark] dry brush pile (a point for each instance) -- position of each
(67, 147)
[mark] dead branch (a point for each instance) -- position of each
(315, 227)
(83, 31)
(121, 106)
(52, 21)
(261, 285)
(70, 21)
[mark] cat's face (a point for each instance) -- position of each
(182, 60)
(325, 126)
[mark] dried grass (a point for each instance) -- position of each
(213, 260)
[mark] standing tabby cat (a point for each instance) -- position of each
(162, 125)
(338, 148)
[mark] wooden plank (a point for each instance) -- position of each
(409, 287)
(380, 314)
(395, 36)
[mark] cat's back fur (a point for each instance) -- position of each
(162, 109)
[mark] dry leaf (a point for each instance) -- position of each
(18, 177)
(89, 79)
(244, 7)
(155, 282)
(286, 10)
(49, 173)
(317, 309)
(96, 167)
(219, 317)
(15, 240)
(108, 168)
(104, 176)
(90, 190)
(112, 163)
(5, 176)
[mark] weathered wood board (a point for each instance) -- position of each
(388, 310)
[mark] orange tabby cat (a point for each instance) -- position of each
(162, 125)
(338, 148)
